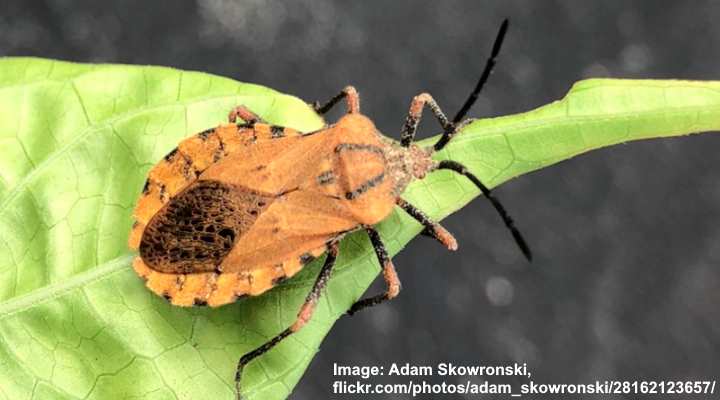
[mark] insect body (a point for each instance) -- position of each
(235, 209)
(256, 216)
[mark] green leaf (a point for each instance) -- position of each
(77, 141)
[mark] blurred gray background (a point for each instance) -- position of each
(626, 281)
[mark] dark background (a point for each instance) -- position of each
(625, 283)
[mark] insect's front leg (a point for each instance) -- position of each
(432, 228)
(349, 93)
(303, 316)
(389, 273)
(407, 134)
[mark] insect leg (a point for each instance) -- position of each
(349, 93)
(304, 315)
(432, 228)
(244, 114)
(462, 170)
(489, 65)
(391, 277)
(407, 134)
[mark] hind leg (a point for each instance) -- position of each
(303, 316)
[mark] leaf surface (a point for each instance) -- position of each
(77, 141)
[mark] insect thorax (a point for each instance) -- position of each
(405, 164)
(372, 170)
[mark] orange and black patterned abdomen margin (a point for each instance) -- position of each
(174, 173)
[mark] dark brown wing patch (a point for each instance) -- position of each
(188, 221)
(181, 167)
(197, 229)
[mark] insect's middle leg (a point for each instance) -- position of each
(407, 135)
(303, 316)
(348, 93)
(389, 273)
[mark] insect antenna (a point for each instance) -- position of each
(489, 65)
(509, 223)
(456, 124)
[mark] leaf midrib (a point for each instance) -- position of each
(117, 264)
(52, 291)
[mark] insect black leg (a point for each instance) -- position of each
(489, 65)
(391, 277)
(462, 170)
(407, 135)
(304, 315)
(432, 228)
(349, 93)
(244, 114)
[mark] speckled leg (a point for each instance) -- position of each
(432, 228)
(407, 134)
(304, 315)
(349, 93)
(245, 114)
(389, 274)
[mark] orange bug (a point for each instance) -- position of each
(235, 209)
